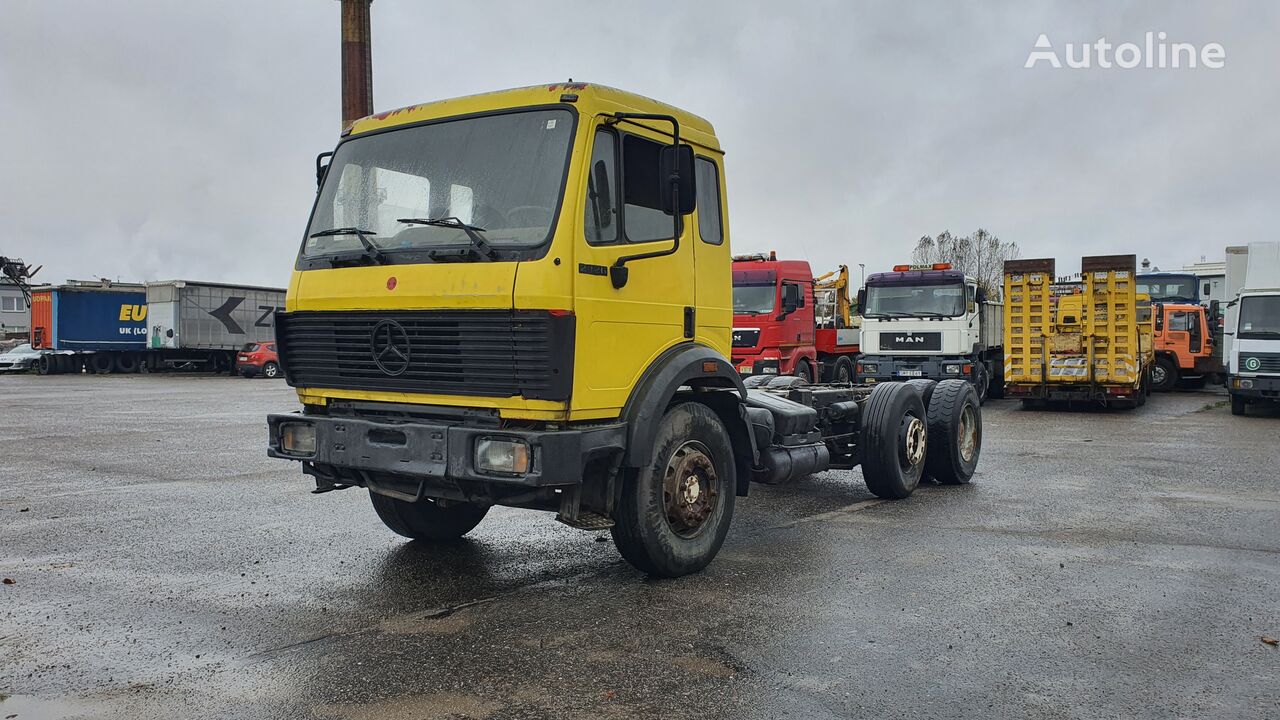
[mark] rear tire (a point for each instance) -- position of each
(126, 363)
(894, 440)
(955, 433)
(45, 365)
(995, 388)
(100, 363)
(425, 520)
(981, 381)
(925, 387)
(1237, 405)
(1164, 375)
(676, 510)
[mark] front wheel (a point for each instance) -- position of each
(804, 371)
(271, 370)
(1164, 375)
(676, 509)
(426, 519)
(894, 440)
(1237, 405)
(955, 432)
(843, 372)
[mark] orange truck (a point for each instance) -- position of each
(1183, 345)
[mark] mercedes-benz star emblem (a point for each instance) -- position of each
(390, 344)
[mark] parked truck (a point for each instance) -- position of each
(1185, 351)
(930, 321)
(1089, 342)
(787, 323)
(525, 298)
(1253, 327)
(104, 327)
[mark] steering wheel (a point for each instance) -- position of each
(547, 215)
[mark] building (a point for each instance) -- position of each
(15, 315)
(1213, 280)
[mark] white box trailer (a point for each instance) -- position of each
(187, 315)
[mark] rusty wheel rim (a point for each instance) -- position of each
(968, 433)
(690, 489)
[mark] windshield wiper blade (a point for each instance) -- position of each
(371, 249)
(477, 240)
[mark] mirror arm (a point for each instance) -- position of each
(322, 168)
(618, 271)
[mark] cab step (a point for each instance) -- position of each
(587, 521)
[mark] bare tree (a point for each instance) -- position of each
(980, 254)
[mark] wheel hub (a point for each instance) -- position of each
(913, 440)
(968, 434)
(690, 489)
(1157, 374)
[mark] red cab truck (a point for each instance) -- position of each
(780, 329)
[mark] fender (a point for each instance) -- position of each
(685, 364)
(803, 352)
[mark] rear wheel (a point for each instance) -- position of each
(100, 363)
(1164, 375)
(271, 370)
(1237, 405)
(675, 511)
(127, 363)
(925, 387)
(995, 388)
(981, 380)
(894, 440)
(45, 365)
(955, 432)
(426, 519)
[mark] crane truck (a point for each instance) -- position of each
(786, 322)
(525, 298)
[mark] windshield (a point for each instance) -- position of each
(500, 173)
(1162, 289)
(754, 291)
(915, 300)
(1259, 317)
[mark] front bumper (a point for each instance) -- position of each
(755, 365)
(443, 451)
(889, 368)
(1254, 387)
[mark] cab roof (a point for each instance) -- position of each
(589, 99)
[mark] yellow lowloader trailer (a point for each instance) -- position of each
(1087, 341)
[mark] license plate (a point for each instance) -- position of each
(910, 373)
(244, 358)
(745, 369)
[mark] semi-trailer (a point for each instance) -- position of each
(1087, 342)
(104, 327)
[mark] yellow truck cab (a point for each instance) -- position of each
(524, 298)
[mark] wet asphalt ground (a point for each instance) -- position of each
(1101, 565)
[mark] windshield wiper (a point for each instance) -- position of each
(371, 250)
(477, 240)
(930, 313)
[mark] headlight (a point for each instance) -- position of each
(1244, 384)
(868, 368)
(502, 455)
(298, 438)
(953, 369)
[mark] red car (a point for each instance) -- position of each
(258, 359)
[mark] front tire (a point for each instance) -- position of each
(675, 511)
(804, 371)
(894, 440)
(1164, 375)
(1237, 405)
(955, 433)
(427, 520)
(271, 370)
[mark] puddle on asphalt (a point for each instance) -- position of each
(29, 707)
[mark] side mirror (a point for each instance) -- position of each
(1215, 307)
(862, 300)
(677, 161)
(603, 194)
(322, 168)
(982, 296)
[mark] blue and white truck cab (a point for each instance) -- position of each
(930, 321)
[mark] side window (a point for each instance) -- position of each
(642, 214)
(799, 291)
(709, 211)
(1180, 321)
(600, 219)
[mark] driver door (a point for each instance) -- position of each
(622, 330)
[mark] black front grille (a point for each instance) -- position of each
(1260, 362)
(488, 353)
(746, 337)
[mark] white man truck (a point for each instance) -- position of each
(930, 321)
(1252, 331)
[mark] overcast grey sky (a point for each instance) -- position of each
(151, 140)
